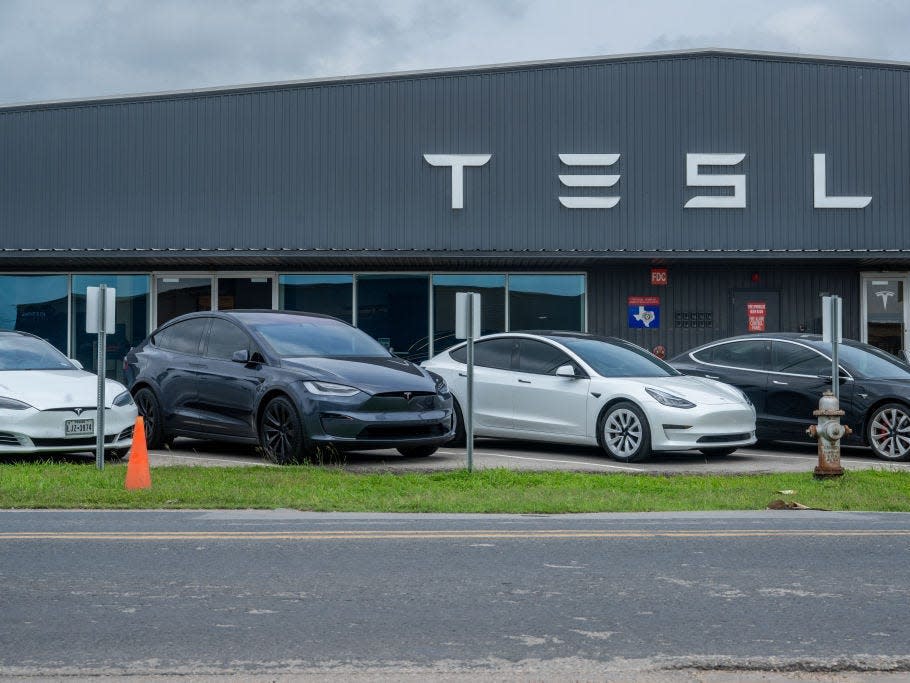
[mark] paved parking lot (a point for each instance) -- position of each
(512, 455)
(532, 456)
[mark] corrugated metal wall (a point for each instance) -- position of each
(708, 289)
(339, 165)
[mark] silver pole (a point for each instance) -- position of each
(102, 361)
(469, 418)
(835, 370)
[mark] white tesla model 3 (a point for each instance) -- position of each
(49, 403)
(575, 388)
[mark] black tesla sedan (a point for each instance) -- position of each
(291, 382)
(784, 375)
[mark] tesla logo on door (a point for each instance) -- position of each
(885, 294)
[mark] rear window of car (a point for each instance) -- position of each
(183, 337)
(796, 359)
(749, 354)
(492, 353)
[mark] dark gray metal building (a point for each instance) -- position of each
(667, 198)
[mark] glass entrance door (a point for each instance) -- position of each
(176, 295)
(249, 291)
(885, 312)
(179, 293)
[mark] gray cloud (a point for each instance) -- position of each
(84, 48)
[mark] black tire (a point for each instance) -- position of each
(282, 437)
(417, 451)
(152, 417)
(114, 454)
(623, 432)
(888, 432)
(720, 452)
(461, 437)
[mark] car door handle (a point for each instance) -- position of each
(196, 365)
(524, 381)
(712, 376)
(462, 374)
(774, 381)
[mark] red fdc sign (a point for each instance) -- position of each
(756, 311)
(658, 276)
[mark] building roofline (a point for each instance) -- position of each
(453, 71)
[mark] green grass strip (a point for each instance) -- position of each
(60, 485)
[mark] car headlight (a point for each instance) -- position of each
(666, 399)
(441, 386)
(330, 389)
(124, 399)
(13, 404)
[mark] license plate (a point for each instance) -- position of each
(79, 427)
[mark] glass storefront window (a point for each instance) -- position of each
(130, 322)
(492, 290)
(35, 304)
(244, 292)
(179, 295)
(394, 310)
(327, 294)
(547, 302)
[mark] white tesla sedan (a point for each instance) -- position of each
(573, 388)
(49, 403)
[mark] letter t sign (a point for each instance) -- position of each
(457, 162)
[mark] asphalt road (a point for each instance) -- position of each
(283, 595)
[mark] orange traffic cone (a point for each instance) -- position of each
(137, 469)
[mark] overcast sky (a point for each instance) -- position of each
(62, 49)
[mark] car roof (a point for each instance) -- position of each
(248, 315)
(554, 335)
(20, 333)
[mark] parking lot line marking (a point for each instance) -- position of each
(341, 535)
(568, 462)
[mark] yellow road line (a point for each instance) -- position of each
(141, 536)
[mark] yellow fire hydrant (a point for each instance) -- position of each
(828, 432)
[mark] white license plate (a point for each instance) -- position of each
(79, 428)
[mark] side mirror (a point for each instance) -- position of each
(77, 363)
(242, 356)
(565, 371)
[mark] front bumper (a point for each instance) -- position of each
(43, 431)
(725, 426)
(381, 421)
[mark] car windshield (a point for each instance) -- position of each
(318, 337)
(28, 353)
(873, 363)
(617, 359)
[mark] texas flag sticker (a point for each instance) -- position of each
(644, 311)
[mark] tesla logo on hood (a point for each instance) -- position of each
(407, 395)
(78, 411)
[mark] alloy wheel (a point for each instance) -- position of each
(280, 431)
(623, 433)
(889, 433)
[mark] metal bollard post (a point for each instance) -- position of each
(828, 432)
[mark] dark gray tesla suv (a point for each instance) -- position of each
(287, 381)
